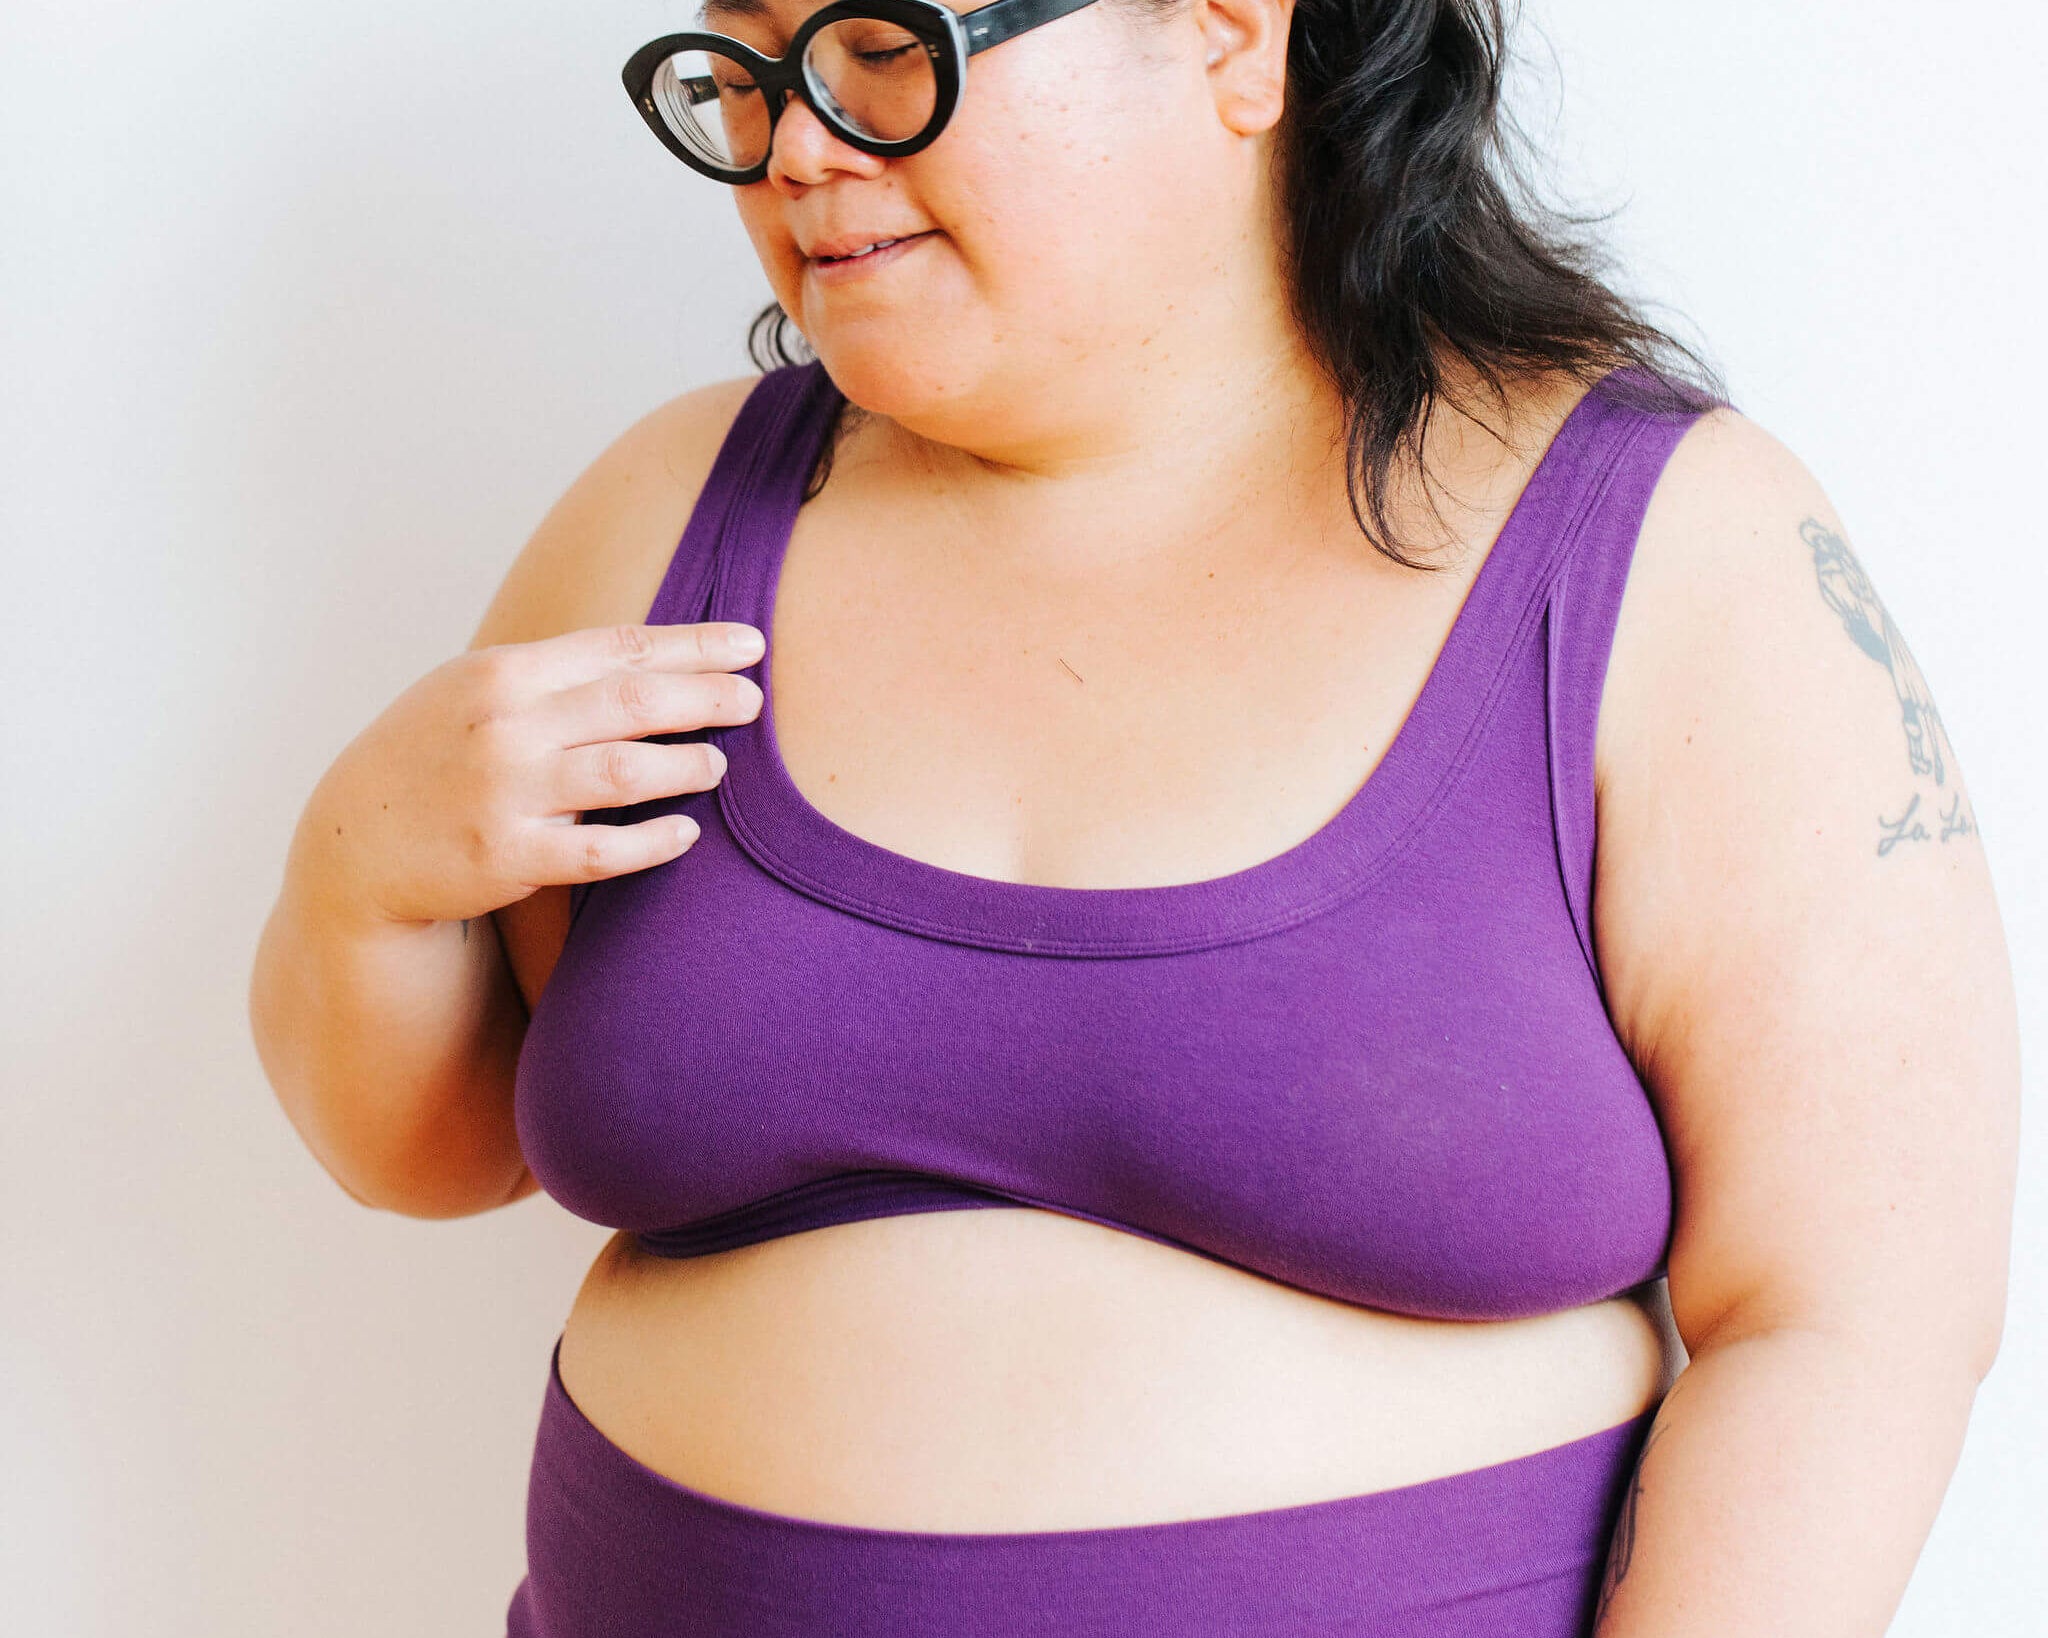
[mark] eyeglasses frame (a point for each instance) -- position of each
(950, 36)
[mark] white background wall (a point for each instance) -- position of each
(311, 311)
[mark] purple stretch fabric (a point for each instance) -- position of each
(1515, 1550)
(1378, 1066)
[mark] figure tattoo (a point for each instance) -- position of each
(1848, 590)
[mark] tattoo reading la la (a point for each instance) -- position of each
(1849, 592)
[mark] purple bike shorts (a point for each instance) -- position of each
(617, 1550)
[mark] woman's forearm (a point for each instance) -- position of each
(1787, 1486)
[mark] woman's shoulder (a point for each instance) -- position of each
(1720, 582)
(1773, 776)
(597, 558)
(598, 555)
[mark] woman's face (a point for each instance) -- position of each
(1101, 172)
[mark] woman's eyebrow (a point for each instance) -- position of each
(717, 10)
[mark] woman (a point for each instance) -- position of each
(1321, 832)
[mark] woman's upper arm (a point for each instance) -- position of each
(597, 558)
(1796, 928)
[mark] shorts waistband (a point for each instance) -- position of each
(1518, 1546)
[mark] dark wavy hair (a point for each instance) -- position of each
(1413, 234)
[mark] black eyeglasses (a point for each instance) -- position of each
(884, 75)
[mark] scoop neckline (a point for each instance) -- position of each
(787, 835)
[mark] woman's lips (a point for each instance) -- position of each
(832, 270)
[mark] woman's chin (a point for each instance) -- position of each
(887, 371)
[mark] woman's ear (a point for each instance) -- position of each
(1245, 46)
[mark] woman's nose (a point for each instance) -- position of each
(805, 150)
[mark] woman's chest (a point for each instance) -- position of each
(1093, 717)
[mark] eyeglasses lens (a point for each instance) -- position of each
(875, 77)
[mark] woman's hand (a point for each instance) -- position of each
(465, 794)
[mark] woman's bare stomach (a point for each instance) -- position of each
(1001, 1369)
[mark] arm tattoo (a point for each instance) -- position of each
(1848, 590)
(1622, 1548)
